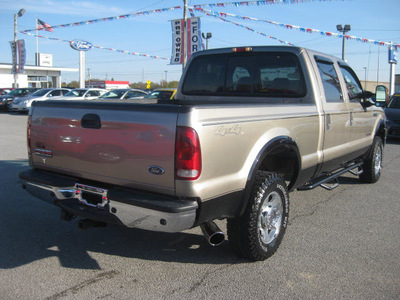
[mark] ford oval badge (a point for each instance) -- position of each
(81, 45)
(156, 170)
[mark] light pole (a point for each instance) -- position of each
(207, 37)
(344, 29)
(19, 14)
(365, 78)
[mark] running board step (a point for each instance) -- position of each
(322, 181)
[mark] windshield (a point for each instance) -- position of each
(395, 102)
(115, 94)
(75, 93)
(163, 95)
(40, 93)
(15, 92)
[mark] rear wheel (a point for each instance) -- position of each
(373, 165)
(258, 233)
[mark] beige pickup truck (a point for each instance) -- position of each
(247, 126)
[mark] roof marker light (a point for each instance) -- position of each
(242, 49)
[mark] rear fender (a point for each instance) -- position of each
(276, 147)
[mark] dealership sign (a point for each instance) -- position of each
(193, 39)
(18, 56)
(81, 45)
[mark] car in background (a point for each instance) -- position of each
(82, 94)
(392, 111)
(161, 94)
(6, 100)
(5, 91)
(123, 94)
(23, 104)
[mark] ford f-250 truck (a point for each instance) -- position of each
(247, 126)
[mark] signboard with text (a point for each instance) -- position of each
(392, 55)
(45, 60)
(18, 56)
(193, 39)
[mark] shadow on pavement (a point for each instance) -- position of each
(32, 230)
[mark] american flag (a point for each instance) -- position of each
(41, 25)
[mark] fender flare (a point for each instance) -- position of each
(381, 130)
(272, 144)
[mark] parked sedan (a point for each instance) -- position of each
(392, 111)
(5, 91)
(23, 104)
(83, 94)
(161, 94)
(123, 94)
(6, 100)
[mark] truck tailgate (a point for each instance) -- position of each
(130, 145)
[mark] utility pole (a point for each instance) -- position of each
(89, 78)
(184, 34)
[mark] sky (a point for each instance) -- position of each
(150, 33)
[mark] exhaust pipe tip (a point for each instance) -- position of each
(212, 233)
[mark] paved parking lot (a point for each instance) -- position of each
(341, 244)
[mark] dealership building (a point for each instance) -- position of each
(33, 76)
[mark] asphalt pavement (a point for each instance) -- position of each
(340, 244)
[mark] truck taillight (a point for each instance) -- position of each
(187, 154)
(28, 134)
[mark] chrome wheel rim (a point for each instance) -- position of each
(270, 218)
(378, 161)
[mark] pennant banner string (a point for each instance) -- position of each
(143, 13)
(242, 26)
(99, 47)
(302, 29)
(162, 10)
(259, 3)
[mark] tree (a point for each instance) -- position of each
(72, 84)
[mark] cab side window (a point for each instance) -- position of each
(353, 87)
(330, 80)
(55, 93)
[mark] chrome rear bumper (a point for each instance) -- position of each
(134, 209)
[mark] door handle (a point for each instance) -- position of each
(328, 122)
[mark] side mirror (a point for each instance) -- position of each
(367, 99)
(381, 96)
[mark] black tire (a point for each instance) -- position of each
(258, 233)
(373, 164)
(8, 106)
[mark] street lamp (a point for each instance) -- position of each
(346, 29)
(19, 14)
(365, 78)
(207, 37)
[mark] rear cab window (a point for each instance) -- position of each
(272, 77)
